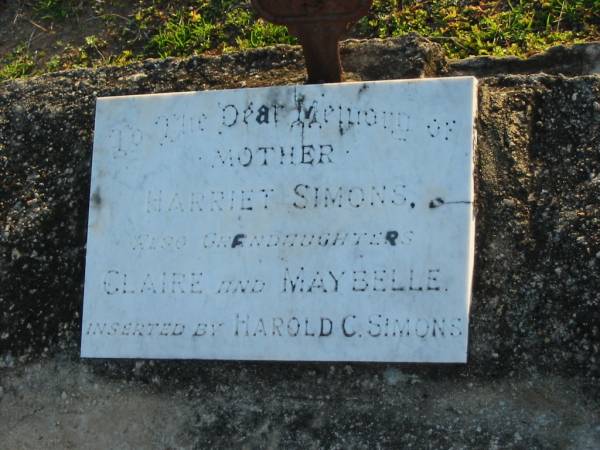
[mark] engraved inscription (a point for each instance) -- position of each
(325, 223)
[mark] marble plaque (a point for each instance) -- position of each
(308, 223)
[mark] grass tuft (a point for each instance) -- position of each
(56, 10)
(212, 25)
(19, 63)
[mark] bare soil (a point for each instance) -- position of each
(61, 403)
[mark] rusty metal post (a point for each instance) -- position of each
(318, 25)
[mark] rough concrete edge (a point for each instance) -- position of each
(575, 60)
(292, 55)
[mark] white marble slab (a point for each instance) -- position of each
(314, 223)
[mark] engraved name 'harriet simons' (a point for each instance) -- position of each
(302, 196)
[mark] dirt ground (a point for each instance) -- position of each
(62, 403)
(20, 25)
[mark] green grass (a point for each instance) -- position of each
(134, 30)
(464, 28)
(498, 28)
(217, 26)
(19, 63)
(56, 10)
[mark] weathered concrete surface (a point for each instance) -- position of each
(533, 376)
